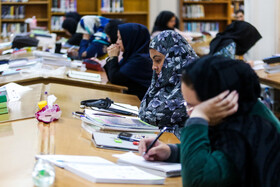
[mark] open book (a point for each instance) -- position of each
(119, 123)
(107, 141)
(99, 170)
(165, 169)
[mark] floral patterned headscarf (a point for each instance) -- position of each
(163, 104)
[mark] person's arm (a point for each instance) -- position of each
(113, 72)
(202, 166)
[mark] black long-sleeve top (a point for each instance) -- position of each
(114, 75)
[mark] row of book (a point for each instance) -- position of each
(13, 28)
(201, 26)
(13, 12)
(17, 1)
(64, 6)
(195, 0)
(237, 6)
(112, 6)
(56, 23)
(193, 11)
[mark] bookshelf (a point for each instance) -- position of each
(136, 11)
(13, 14)
(205, 15)
(133, 11)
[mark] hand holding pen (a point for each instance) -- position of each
(154, 150)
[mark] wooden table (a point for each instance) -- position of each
(272, 80)
(21, 140)
(63, 79)
(25, 107)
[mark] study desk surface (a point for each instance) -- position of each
(26, 106)
(28, 79)
(69, 97)
(20, 141)
(272, 80)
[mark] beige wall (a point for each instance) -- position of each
(156, 6)
(278, 29)
(263, 15)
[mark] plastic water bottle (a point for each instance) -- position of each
(43, 173)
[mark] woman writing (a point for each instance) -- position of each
(223, 142)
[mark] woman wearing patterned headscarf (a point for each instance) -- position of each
(94, 42)
(163, 104)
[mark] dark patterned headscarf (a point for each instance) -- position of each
(163, 104)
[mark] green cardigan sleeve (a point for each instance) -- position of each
(202, 166)
(261, 110)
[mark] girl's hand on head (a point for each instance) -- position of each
(215, 109)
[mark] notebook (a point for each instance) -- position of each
(119, 123)
(99, 170)
(111, 141)
(164, 169)
(114, 174)
(62, 160)
(84, 75)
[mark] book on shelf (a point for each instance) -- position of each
(112, 6)
(17, 1)
(99, 170)
(56, 23)
(164, 169)
(13, 28)
(13, 12)
(64, 6)
(196, 0)
(201, 26)
(193, 11)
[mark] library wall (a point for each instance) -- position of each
(262, 15)
(156, 6)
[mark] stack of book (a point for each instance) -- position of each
(272, 64)
(112, 6)
(3, 101)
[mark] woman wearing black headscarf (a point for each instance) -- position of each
(167, 20)
(237, 39)
(135, 68)
(239, 148)
(70, 26)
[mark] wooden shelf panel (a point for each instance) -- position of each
(58, 13)
(22, 20)
(88, 13)
(206, 2)
(55, 31)
(124, 13)
(26, 3)
(205, 19)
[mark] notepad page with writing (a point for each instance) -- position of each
(170, 169)
(114, 174)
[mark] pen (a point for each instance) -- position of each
(155, 140)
